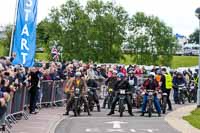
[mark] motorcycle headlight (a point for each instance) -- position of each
(122, 92)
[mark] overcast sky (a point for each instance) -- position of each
(179, 14)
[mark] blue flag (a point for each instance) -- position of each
(24, 40)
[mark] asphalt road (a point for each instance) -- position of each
(99, 122)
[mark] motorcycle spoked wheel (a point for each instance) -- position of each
(150, 108)
(121, 107)
(77, 109)
(109, 102)
(164, 104)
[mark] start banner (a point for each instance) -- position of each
(24, 39)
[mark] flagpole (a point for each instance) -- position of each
(13, 29)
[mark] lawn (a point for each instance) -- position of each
(178, 61)
(194, 118)
(184, 61)
(42, 56)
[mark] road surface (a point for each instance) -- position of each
(99, 122)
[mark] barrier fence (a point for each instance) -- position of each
(51, 93)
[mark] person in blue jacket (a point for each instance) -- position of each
(178, 79)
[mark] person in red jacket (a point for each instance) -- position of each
(150, 84)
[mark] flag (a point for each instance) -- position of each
(24, 39)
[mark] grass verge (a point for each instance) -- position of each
(194, 118)
(178, 61)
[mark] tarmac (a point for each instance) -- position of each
(48, 119)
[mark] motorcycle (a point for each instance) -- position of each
(110, 97)
(163, 101)
(90, 98)
(182, 93)
(122, 95)
(192, 92)
(77, 102)
(137, 98)
(150, 94)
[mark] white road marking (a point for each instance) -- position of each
(116, 124)
(133, 130)
(150, 130)
(115, 130)
(89, 130)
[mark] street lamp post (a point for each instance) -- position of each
(197, 13)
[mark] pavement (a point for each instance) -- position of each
(51, 120)
(43, 122)
(175, 119)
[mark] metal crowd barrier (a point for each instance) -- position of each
(51, 92)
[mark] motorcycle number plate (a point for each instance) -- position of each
(122, 92)
(164, 94)
(150, 93)
(77, 90)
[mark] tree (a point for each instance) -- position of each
(95, 32)
(108, 29)
(194, 37)
(152, 40)
(5, 42)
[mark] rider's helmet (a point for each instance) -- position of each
(152, 74)
(78, 74)
(179, 74)
(195, 74)
(120, 75)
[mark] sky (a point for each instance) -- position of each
(178, 14)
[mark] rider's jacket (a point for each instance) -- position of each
(168, 81)
(150, 84)
(92, 83)
(78, 83)
(178, 81)
(110, 82)
(122, 84)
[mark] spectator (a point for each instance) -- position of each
(34, 79)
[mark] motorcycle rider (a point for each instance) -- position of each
(166, 86)
(92, 83)
(122, 83)
(150, 84)
(80, 83)
(177, 80)
(110, 82)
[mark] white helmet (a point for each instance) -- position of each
(152, 74)
(78, 74)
